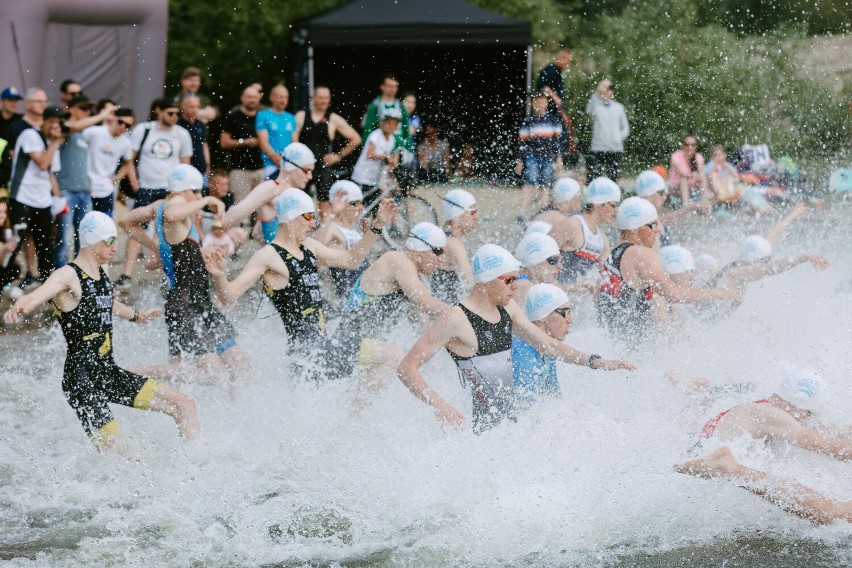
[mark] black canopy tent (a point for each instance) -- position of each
(470, 68)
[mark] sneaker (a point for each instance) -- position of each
(122, 283)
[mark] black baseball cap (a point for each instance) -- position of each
(55, 112)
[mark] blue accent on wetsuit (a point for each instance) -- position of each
(166, 248)
(534, 375)
(269, 230)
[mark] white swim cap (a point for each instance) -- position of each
(292, 203)
(707, 260)
(635, 212)
(96, 227)
(565, 189)
(756, 247)
(297, 155)
(457, 202)
(491, 261)
(184, 177)
(602, 190)
(676, 259)
(804, 388)
(351, 189)
(538, 227)
(425, 236)
(648, 183)
(543, 299)
(535, 248)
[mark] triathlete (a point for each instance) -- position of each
(82, 299)
(651, 186)
(567, 197)
(455, 276)
(540, 261)
(477, 333)
(633, 274)
(288, 268)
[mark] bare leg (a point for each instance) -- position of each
(380, 372)
(526, 196)
(180, 407)
(134, 247)
(236, 362)
(790, 496)
(30, 255)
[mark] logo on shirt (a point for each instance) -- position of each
(162, 149)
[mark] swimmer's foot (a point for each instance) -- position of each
(719, 463)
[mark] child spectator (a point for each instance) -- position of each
(541, 145)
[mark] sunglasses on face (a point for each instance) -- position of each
(306, 171)
(554, 260)
(438, 251)
(109, 241)
(653, 225)
(74, 93)
(125, 124)
(308, 216)
(357, 203)
(564, 312)
(691, 144)
(171, 112)
(507, 279)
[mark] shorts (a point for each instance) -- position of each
(196, 328)
(90, 386)
(147, 196)
(539, 171)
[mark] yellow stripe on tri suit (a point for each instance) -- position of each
(106, 433)
(368, 352)
(146, 393)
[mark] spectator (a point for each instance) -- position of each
(686, 174)
(324, 132)
(158, 146)
(384, 103)
(109, 146)
(609, 131)
(219, 187)
(276, 128)
(550, 83)
(190, 84)
(466, 166)
(68, 89)
(9, 269)
(239, 136)
(190, 106)
(409, 101)
(540, 148)
(723, 177)
(34, 181)
(433, 155)
(9, 100)
(379, 150)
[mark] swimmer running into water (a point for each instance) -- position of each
(82, 299)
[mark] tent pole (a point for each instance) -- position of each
(310, 71)
(529, 76)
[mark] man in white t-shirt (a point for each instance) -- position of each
(33, 182)
(378, 151)
(109, 146)
(159, 146)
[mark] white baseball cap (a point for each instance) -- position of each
(297, 155)
(602, 190)
(351, 189)
(648, 183)
(184, 177)
(96, 227)
(457, 202)
(424, 237)
(542, 299)
(291, 203)
(635, 212)
(804, 388)
(538, 227)
(535, 248)
(756, 247)
(492, 261)
(676, 259)
(565, 189)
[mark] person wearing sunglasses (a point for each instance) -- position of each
(454, 277)
(540, 261)
(109, 146)
(477, 333)
(634, 274)
(83, 301)
(288, 266)
(651, 186)
(195, 325)
(687, 176)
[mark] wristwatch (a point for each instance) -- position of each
(376, 230)
(240, 141)
(592, 359)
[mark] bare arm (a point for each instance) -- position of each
(650, 271)
(180, 210)
(228, 142)
(83, 123)
(351, 135)
(260, 263)
(266, 147)
(124, 311)
(131, 223)
(263, 193)
(59, 281)
(776, 232)
(43, 159)
(416, 291)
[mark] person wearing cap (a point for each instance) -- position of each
(195, 325)
(324, 132)
(477, 333)
(775, 419)
(609, 131)
(73, 178)
(276, 128)
(83, 301)
(287, 266)
(546, 306)
(540, 260)
(455, 275)
(634, 273)
(581, 238)
(10, 98)
(567, 196)
(652, 186)
(158, 146)
(33, 184)
(340, 231)
(756, 261)
(379, 150)
(297, 170)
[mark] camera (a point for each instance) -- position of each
(64, 128)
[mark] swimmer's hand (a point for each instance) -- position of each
(213, 259)
(817, 262)
(23, 306)
(612, 365)
(735, 295)
(387, 211)
(339, 203)
(145, 316)
(449, 417)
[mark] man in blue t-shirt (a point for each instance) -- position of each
(276, 128)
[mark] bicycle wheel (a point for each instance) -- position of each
(412, 210)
